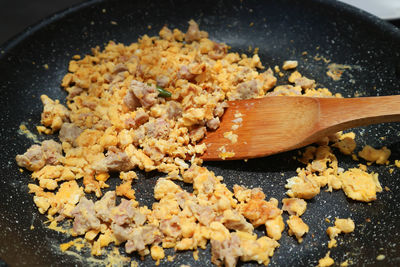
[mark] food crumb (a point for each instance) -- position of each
(231, 137)
(397, 163)
(113, 22)
(387, 188)
(380, 257)
(326, 261)
(46, 66)
(290, 64)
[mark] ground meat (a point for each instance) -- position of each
(85, 217)
(131, 101)
(226, 252)
(174, 110)
(147, 95)
(304, 83)
(120, 67)
(220, 109)
(54, 114)
(197, 133)
(52, 151)
(115, 160)
(140, 237)
(37, 156)
(33, 159)
(171, 227)
(246, 90)
(121, 233)
(159, 128)
(104, 206)
(141, 117)
(74, 91)
(213, 124)
(184, 73)
(235, 221)
(126, 213)
(162, 80)
(204, 214)
(69, 132)
(154, 153)
(193, 33)
(219, 51)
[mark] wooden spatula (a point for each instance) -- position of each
(275, 124)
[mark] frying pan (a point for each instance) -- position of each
(281, 30)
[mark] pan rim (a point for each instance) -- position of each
(33, 28)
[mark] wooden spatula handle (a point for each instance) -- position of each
(337, 114)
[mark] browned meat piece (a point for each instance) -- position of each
(141, 117)
(162, 80)
(226, 252)
(131, 101)
(142, 236)
(159, 128)
(52, 151)
(246, 90)
(197, 134)
(33, 159)
(174, 110)
(305, 83)
(49, 152)
(121, 233)
(115, 160)
(147, 95)
(73, 91)
(220, 109)
(235, 221)
(204, 214)
(193, 33)
(219, 51)
(126, 213)
(185, 74)
(85, 217)
(171, 227)
(139, 135)
(69, 132)
(104, 206)
(120, 68)
(154, 153)
(213, 124)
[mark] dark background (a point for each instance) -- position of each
(16, 15)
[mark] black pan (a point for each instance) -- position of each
(282, 30)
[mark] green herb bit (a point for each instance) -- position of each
(162, 92)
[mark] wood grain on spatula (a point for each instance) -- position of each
(276, 124)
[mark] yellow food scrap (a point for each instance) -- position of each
(297, 227)
(290, 64)
(294, 206)
(157, 253)
(341, 226)
(326, 261)
(379, 156)
(360, 185)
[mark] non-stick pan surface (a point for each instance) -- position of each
(281, 30)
